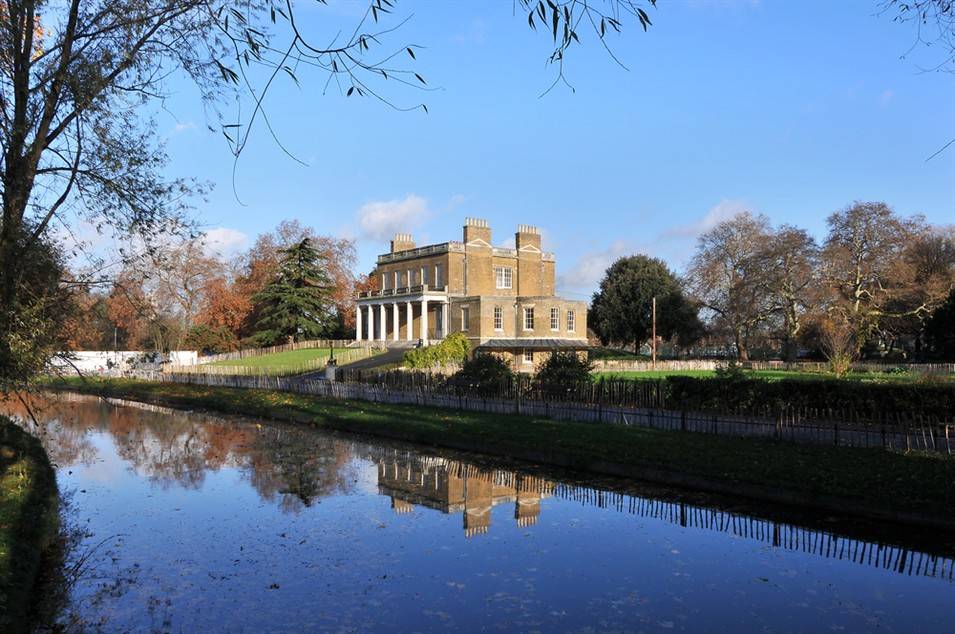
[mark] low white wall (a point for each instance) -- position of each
(118, 362)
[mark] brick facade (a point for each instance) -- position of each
(474, 287)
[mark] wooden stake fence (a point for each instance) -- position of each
(891, 430)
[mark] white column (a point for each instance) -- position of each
(396, 314)
(383, 327)
(409, 309)
(371, 322)
(445, 316)
(358, 310)
(424, 321)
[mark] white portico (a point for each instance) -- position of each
(408, 313)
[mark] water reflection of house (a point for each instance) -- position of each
(454, 487)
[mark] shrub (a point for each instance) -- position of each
(454, 349)
(485, 374)
(563, 373)
(838, 345)
(868, 400)
(732, 371)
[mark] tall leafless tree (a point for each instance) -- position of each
(791, 256)
(77, 79)
(729, 276)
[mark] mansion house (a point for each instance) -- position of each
(502, 298)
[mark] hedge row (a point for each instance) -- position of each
(866, 400)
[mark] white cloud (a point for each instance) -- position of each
(674, 246)
(382, 220)
(455, 201)
(724, 210)
(590, 267)
(223, 241)
(475, 33)
(182, 127)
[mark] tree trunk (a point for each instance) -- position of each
(742, 354)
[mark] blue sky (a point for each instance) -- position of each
(792, 109)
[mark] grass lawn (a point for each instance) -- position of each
(888, 481)
(615, 354)
(278, 360)
(775, 375)
(286, 363)
(28, 520)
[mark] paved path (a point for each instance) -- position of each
(392, 355)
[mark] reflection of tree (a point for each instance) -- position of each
(65, 444)
(179, 448)
(300, 465)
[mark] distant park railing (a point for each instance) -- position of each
(288, 347)
(635, 365)
(624, 403)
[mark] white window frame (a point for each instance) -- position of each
(571, 321)
(529, 313)
(555, 319)
(498, 318)
(503, 277)
(465, 318)
(525, 353)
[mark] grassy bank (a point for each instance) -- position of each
(28, 521)
(873, 483)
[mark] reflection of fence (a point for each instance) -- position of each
(288, 347)
(342, 355)
(778, 534)
(903, 430)
(782, 535)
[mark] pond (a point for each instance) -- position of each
(193, 523)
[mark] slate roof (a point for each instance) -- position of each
(536, 343)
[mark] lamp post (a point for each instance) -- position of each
(653, 345)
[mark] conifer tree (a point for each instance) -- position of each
(296, 304)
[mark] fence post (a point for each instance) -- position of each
(517, 396)
(883, 431)
(683, 417)
(835, 432)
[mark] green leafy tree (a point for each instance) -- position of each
(34, 329)
(562, 373)
(484, 374)
(296, 304)
(622, 309)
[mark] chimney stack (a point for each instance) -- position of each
(527, 236)
(402, 242)
(476, 229)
